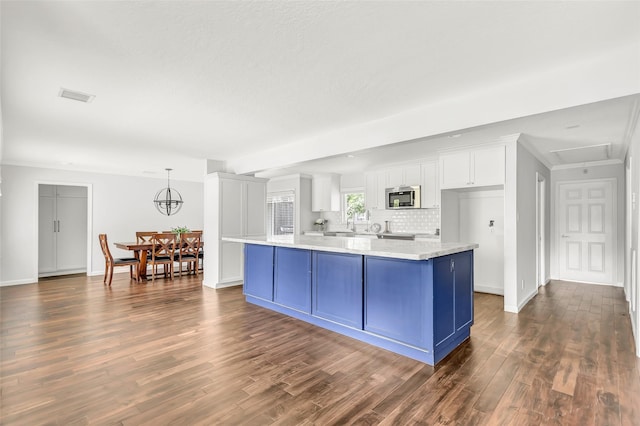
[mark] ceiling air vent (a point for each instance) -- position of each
(76, 96)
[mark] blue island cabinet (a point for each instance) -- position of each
(292, 279)
(427, 305)
(422, 309)
(337, 288)
(258, 271)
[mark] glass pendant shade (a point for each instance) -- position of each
(168, 201)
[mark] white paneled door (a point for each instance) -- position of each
(586, 231)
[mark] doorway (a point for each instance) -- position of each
(63, 229)
(586, 231)
(541, 223)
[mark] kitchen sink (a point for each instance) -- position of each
(390, 236)
(339, 234)
(382, 236)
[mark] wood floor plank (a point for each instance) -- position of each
(73, 351)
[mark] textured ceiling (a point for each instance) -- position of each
(177, 83)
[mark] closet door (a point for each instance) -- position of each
(46, 229)
(71, 211)
(62, 229)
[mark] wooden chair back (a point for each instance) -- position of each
(104, 245)
(190, 243)
(143, 237)
(164, 245)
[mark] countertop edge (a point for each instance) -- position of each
(422, 254)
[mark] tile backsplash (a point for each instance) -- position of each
(413, 221)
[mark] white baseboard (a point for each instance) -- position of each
(214, 284)
(228, 284)
(19, 282)
(527, 299)
(488, 289)
(516, 309)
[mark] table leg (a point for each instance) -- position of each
(143, 265)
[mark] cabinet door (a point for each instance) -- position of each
(381, 185)
(292, 278)
(395, 300)
(258, 271)
(370, 191)
(230, 261)
(46, 234)
(430, 189)
(443, 299)
(325, 193)
(337, 288)
(71, 238)
(231, 204)
(463, 277)
(488, 166)
(454, 170)
(411, 174)
(256, 203)
(395, 177)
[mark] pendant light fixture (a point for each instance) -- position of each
(168, 201)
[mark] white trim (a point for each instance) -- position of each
(541, 217)
(89, 186)
(490, 290)
(586, 164)
(533, 294)
(19, 282)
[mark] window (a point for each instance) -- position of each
(280, 208)
(353, 206)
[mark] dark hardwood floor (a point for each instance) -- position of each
(76, 352)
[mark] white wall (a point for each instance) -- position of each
(521, 281)
(586, 173)
(477, 208)
(632, 288)
(121, 205)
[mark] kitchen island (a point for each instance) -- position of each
(412, 298)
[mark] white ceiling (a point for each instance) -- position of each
(177, 83)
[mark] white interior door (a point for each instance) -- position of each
(586, 231)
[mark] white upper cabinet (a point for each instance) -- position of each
(489, 166)
(471, 168)
(375, 184)
(325, 193)
(430, 186)
(406, 175)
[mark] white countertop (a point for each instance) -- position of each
(399, 249)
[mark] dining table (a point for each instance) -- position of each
(140, 251)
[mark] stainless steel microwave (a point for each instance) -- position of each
(402, 197)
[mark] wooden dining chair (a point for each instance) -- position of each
(201, 252)
(163, 253)
(111, 262)
(189, 251)
(144, 237)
